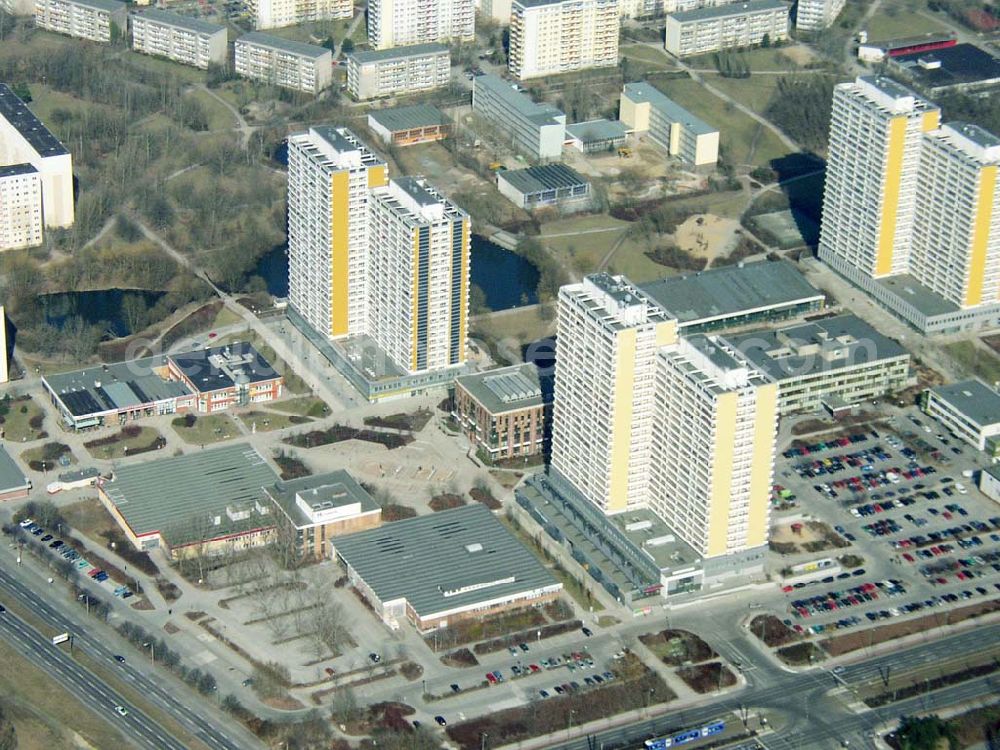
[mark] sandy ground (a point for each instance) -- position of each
(783, 533)
(706, 235)
(800, 54)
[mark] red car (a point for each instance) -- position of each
(491, 678)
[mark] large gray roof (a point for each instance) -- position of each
(505, 389)
(405, 118)
(111, 6)
(539, 179)
(16, 112)
(646, 92)
(541, 114)
(398, 53)
(815, 347)
(725, 11)
(285, 45)
(731, 290)
(597, 130)
(442, 562)
(336, 487)
(189, 23)
(11, 475)
(972, 398)
(177, 496)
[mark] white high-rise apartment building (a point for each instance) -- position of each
(330, 174)
(714, 28)
(548, 37)
(273, 14)
(183, 39)
(608, 334)
(712, 458)
(96, 20)
(876, 131)
(20, 207)
(418, 287)
(646, 418)
(283, 62)
(32, 162)
(955, 248)
(398, 23)
(816, 15)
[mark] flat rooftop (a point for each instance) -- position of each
(335, 488)
(110, 6)
(182, 497)
(595, 131)
(961, 65)
(11, 475)
(444, 561)
(816, 347)
(115, 386)
(505, 389)
(14, 170)
(661, 544)
(284, 45)
(408, 118)
(223, 366)
(16, 112)
(927, 302)
(671, 110)
(398, 53)
(188, 23)
(521, 103)
(973, 399)
(732, 290)
(542, 179)
(725, 11)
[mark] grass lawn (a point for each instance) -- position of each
(744, 140)
(268, 421)
(89, 518)
(210, 428)
(144, 438)
(18, 420)
(225, 317)
(314, 33)
(184, 73)
(307, 406)
(46, 715)
(975, 360)
(630, 259)
(894, 22)
(45, 100)
(38, 454)
(582, 253)
(219, 118)
(647, 56)
(755, 92)
(524, 325)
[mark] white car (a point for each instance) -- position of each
(960, 489)
(121, 710)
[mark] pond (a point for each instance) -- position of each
(507, 279)
(102, 306)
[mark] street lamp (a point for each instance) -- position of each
(150, 644)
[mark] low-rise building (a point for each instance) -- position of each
(546, 185)
(502, 412)
(594, 136)
(13, 484)
(536, 130)
(961, 67)
(199, 504)
(969, 410)
(77, 479)
(313, 510)
(406, 126)
(832, 360)
(711, 29)
(96, 20)
(399, 70)
(989, 482)
(442, 568)
(183, 39)
(734, 296)
(205, 381)
(645, 110)
(282, 62)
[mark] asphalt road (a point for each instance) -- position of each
(93, 692)
(814, 718)
(187, 710)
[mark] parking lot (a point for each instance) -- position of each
(905, 499)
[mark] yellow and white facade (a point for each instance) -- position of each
(549, 37)
(956, 229)
(645, 418)
(876, 130)
(330, 174)
(418, 296)
(713, 447)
